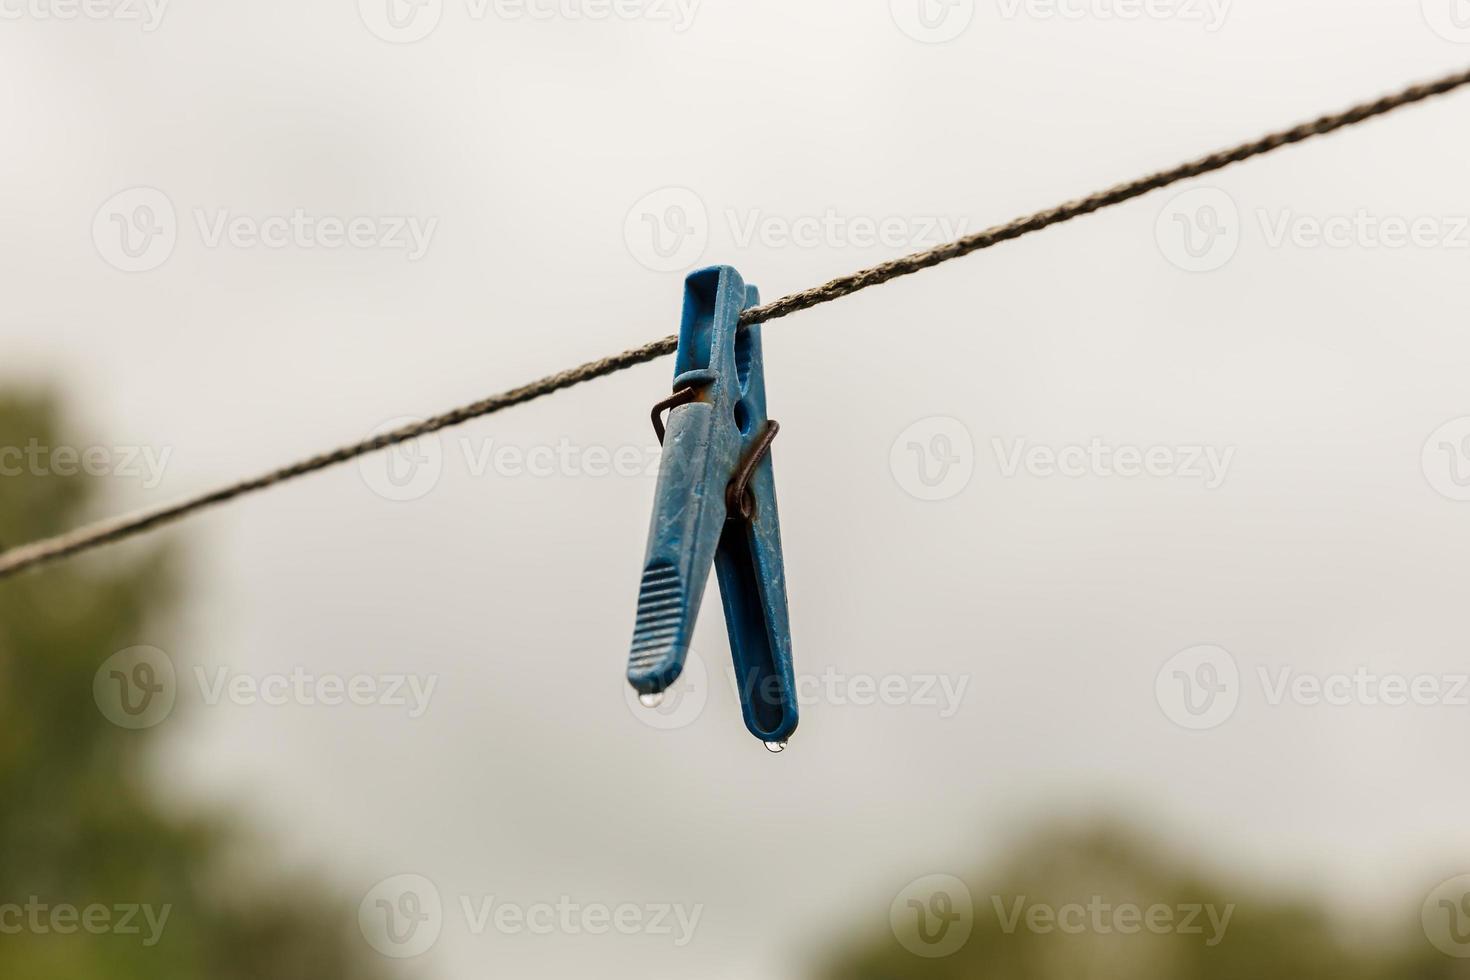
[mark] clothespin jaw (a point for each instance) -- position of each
(715, 506)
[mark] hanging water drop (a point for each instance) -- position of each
(651, 700)
(775, 748)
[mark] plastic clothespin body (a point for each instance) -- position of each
(716, 431)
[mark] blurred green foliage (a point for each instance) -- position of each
(1101, 868)
(81, 821)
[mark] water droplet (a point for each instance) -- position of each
(651, 700)
(775, 748)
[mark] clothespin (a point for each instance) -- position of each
(716, 505)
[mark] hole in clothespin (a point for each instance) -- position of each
(742, 418)
(742, 357)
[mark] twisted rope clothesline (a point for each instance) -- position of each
(38, 553)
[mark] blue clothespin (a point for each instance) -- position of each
(716, 504)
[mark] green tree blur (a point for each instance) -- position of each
(81, 823)
(1101, 867)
